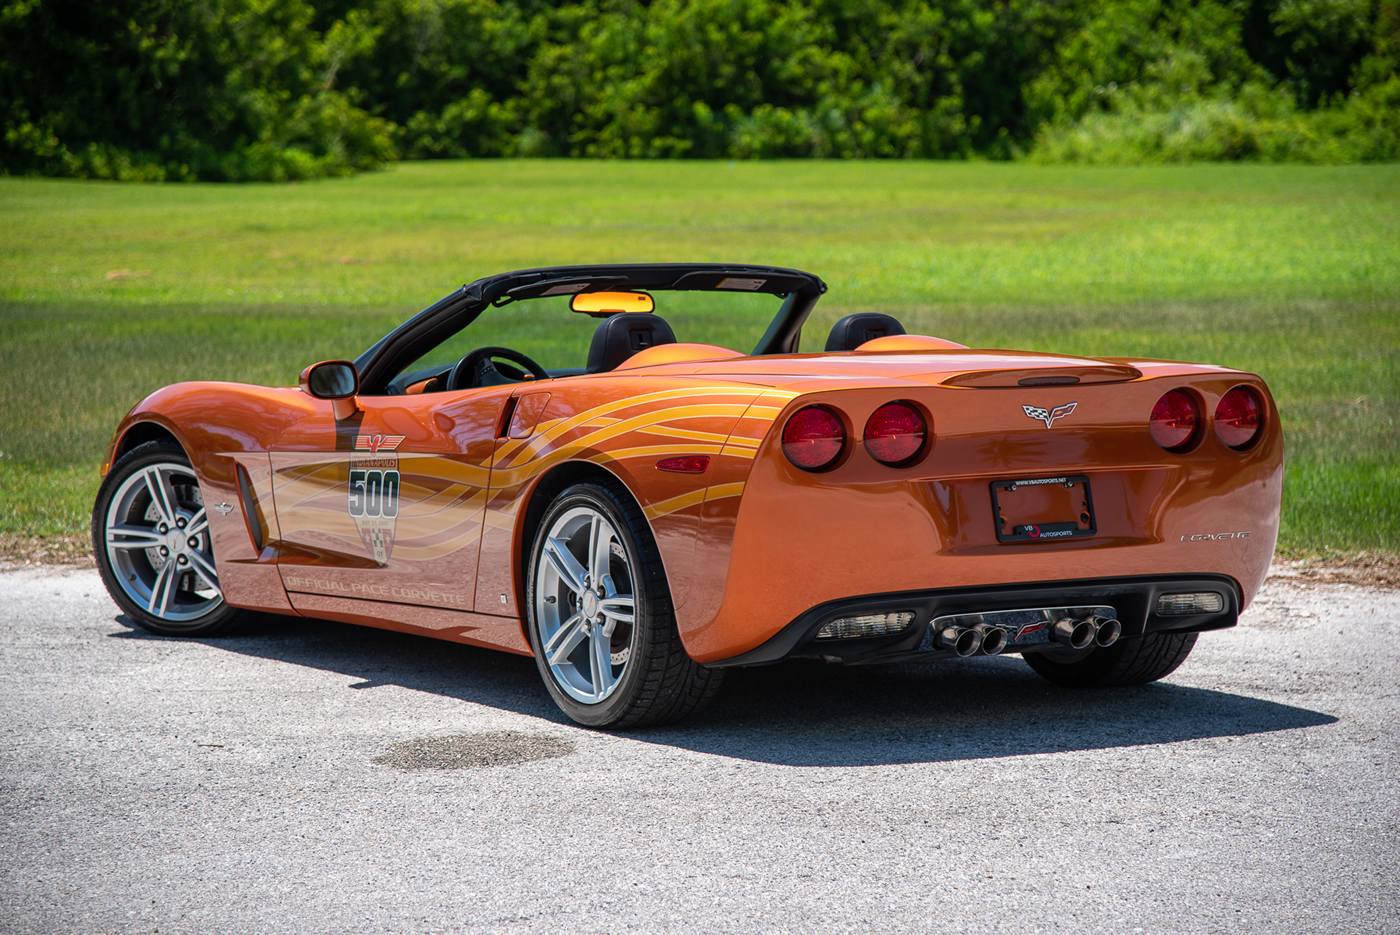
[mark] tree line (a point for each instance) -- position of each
(285, 89)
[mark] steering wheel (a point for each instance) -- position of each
(476, 369)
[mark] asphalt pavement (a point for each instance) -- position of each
(315, 777)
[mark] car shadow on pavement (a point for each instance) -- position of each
(811, 714)
(803, 713)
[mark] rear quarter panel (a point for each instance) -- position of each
(625, 425)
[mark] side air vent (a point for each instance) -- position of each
(252, 513)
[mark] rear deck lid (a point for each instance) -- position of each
(958, 368)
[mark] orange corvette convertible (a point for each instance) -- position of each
(667, 510)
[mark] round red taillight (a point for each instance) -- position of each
(813, 438)
(1174, 419)
(895, 433)
(1239, 417)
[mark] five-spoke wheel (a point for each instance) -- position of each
(600, 618)
(584, 604)
(151, 539)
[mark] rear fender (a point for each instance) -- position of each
(621, 426)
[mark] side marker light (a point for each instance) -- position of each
(687, 465)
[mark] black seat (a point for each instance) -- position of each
(621, 336)
(854, 330)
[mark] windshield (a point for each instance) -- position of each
(556, 338)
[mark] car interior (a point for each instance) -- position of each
(622, 333)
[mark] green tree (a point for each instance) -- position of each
(145, 89)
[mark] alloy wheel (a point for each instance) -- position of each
(158, 545)
(585, 605)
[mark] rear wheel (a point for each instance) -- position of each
(1130, 661)
(600, 617)
(150, 536)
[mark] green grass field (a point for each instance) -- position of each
(109, 291)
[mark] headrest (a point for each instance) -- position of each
(621, 336)
(854, 330)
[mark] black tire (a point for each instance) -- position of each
(1130, 661)
(658, 682)
(172, 601)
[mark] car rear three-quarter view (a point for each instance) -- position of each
(643, 519)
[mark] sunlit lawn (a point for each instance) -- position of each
(109, 291)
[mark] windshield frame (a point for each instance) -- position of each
(383, 361)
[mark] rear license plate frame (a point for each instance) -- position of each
(1068, 528)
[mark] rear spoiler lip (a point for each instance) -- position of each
(1045, 376)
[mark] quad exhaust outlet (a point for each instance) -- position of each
(1076, 634)
(994, 639)
(967, 641)
(1024, 630)
(1107, 630)
(962, 640)
(1080, 634)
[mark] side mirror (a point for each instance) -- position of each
(336, 380)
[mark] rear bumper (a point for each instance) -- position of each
(1134, 599)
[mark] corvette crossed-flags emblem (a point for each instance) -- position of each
(1048, 416)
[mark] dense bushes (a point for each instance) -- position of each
(1298, 80)
(274, 89)
(698, 77)
(145, 89)
(1254, 125)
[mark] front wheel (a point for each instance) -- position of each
(1130, 661)
(150, 536)
(600, 618)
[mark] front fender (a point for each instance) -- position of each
(220, 427)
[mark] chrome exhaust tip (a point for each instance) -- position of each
(993, 640)
(1076, 634)
(1107, 631)
(963, 642)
